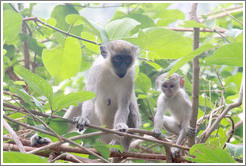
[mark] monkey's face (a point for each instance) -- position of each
(169, 88)
(121, 64)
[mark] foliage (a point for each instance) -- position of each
(60, 58)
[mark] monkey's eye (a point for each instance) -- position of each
(172, 86)
(164, 86)
(128, 60)
(117, 59)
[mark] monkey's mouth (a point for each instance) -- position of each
(121, 75)
(169, 95)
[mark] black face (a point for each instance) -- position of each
(121, 63)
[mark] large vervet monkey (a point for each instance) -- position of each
(111, 78)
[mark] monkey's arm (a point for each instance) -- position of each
(88, 106)
(84, 119)
(158, 119)
(121, 117)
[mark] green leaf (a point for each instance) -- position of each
(143, 83)
(33, 44)
(4, 52)
(51, 21)
(59, 126)
(235, 150)
(74, 20)
(60, 12)
(17, 157)
(144, 21)
(90, 140)
(163, 43)
(179, 63)
(119, 147)
(192, 24)
(27, 98)
(11, 25)
(169, 16)
(91, 37)
(63, 62)
(38, 84)
(64, 101)
(102, 149)
(208, 23)
(120, 28)
(91, 26)
(230, 54)
(233, 32)
(73, 134)
(210, 154)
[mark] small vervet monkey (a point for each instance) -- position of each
(111, 78)
(174, 99)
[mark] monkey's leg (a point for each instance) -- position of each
(171, 125)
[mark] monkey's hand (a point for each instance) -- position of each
(175, 152)
(157, 132)
(190, 132)
(80, 122)
(122, 127)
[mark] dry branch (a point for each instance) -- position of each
(14, 136)
(49, 133)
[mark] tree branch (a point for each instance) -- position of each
(228, 108)
(49, 133)
(196, 70)
(14, 136)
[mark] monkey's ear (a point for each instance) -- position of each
(104, 51)
(135, 49)
(159, 80)
(182, 81)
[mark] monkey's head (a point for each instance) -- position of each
(120, 54)
(170, 86)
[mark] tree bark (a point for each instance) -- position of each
(196, 71)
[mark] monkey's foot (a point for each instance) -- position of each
(37, 140)
(190, 131)
(80, 122)
(157, 132)
(122, 127)
(175, 152)
(114, 150)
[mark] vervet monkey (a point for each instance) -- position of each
(174, 99)
(111, 78)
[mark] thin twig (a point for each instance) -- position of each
(231, 131)
(228, 108)
(30, 32)
(59, 30)
(181, 29)
(65, 154)
(227, 9)
(221, 15)
(230, 15)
